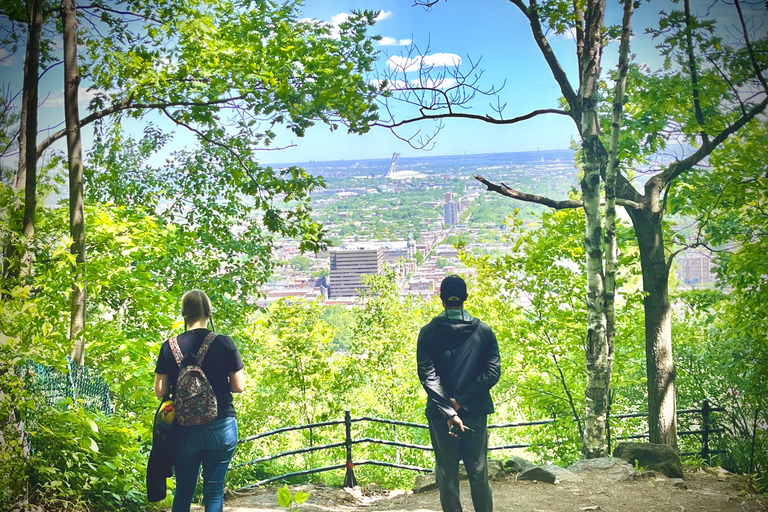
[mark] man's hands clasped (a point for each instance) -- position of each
(455, 420)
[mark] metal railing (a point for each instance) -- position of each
(349, 479)
(705, 431)
(349, 464)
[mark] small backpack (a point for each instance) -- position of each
(194, 399)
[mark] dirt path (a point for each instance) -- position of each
(707, 491)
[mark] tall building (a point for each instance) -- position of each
(450, 210)
(695, 268)
(347, 268)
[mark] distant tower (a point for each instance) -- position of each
(391, 169)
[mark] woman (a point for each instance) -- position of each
(211, 444)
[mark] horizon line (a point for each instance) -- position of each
(405, 157)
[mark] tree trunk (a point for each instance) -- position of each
(26, 174)
(598, 367)
(611, 175)
(660, 369)
(75, 159)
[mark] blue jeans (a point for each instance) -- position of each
(210, 445)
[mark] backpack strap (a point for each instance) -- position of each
(176, 350)
(204, 347)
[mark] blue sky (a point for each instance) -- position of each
(491, 30)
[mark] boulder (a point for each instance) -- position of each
(655, 457)
(424, 483)
(612, 468)
(549, 473)
(495, 470)
(427, 482)
(518, 464)
(678, 482)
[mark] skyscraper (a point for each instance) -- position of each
(348, 267)
(450, 210)
(450, 213)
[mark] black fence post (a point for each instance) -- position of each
(349, 478)
(608, 420)
(705, 430)
(752, 449)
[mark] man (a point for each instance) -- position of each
(458, 360)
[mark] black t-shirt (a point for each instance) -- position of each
(222, 359)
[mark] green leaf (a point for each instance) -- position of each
(300, 497)
(284, 498)
(93, 425)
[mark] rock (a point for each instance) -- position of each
(656, 457)
(549, 473)
(496, 470)
(613, 468)
(518, 464)
(648, 474)
(678, 482)
(722, 474)
(427, 482)
(424, 483)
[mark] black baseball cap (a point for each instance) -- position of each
(453, 290)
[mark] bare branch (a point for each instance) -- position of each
(549, 55)
(125, 104)
(679, 167)
(579, 33)
(529, 198)
(478, 117)
(565, 385)
(693, 69)
(730, 84)
(546, 201)
(751, 50)
(207, 139)
(120, 13)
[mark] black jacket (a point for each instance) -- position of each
(458, 358)
(160, 463)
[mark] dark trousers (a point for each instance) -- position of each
(474, 452)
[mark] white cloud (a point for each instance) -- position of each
(165, 64)
(442, 60)
(340, 18)
(7, 58)
(436, 60)
(391, 41)
(434, 83)
(568, 35)
(431, 83)
(337, 20)
(56, 98)
(333, 25)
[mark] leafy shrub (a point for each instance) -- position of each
(82, 459)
